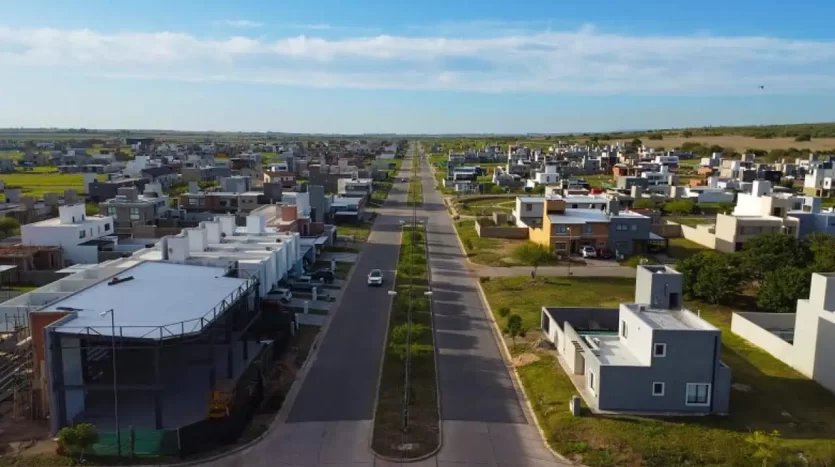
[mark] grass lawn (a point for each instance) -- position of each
(359, 231)
(681, 248)
(488, 251)
(44, 180)
(768, 395)
(424, 419)
(485, 207)
(597, 181)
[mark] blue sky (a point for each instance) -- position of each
(422, 67)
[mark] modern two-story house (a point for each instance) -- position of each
(651, 356)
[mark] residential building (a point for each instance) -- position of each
(197, 173)
(98, 191)
(222, 202)
(819, 182)
(572, 222)
(651, 356)
(284, 178)
(80, 236)
(129, 209)
(355, 187)
(6, 165)
(804, 340)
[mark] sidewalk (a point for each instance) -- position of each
(576, 271)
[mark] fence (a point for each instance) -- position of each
(136, 443)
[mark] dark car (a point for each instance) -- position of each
(605, 253)
(325, 275)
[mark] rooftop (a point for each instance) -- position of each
(669, 319)
(162, 299)
(56, 221)
(579, 216)
(610, 350)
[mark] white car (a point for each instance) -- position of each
(588, 251)
(284, 295)
(375, 277)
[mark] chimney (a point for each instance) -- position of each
(613, 207)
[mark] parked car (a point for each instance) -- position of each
(375, 277)
(605, 253)
(306, 283)
(325, 275)
(588, 251)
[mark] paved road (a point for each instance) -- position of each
(341, 384)
(330, 424)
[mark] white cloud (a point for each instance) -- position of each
(241, 23)
(587, 61)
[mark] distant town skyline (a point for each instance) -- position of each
(429, 68)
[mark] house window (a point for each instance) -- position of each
(561, 229)
(192, 201)
(634, 227)
(697, 394)
(111, 211)
(622, 227)
(528, 207)
(657, 389)
(82, 233)
(586, 228)
(659, 350)
(591, 380)
(106, 227)
(134, 213)
(624, 330)
(573, 206)
(560, 246)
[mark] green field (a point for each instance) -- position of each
(767, 394)
(45, 180)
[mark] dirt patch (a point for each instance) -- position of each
(525, 359)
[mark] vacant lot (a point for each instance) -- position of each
(681, 248)
(767, 394)
(485, 206)
(487, 251)
(45, 180)
(741, 143)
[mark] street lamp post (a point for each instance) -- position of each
(115, 386)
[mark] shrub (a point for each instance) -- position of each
(504, 311)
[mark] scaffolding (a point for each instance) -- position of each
(17, 365)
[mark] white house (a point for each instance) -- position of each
(548, 176)
(804, 340)
(73, 231)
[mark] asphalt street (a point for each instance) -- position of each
(341, 384)
(474, 381)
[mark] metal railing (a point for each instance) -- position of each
(173, 330)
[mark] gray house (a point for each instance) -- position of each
(651, 356)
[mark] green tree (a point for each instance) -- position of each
(689, 269)
(8, 226)
(514, 326)
(680, 207)
(781, 288)
(637, 143)
(655, 136)
(92, 209)
(400, 336)
(725, 207)
(504, 311)
(78, 439)
(719, 279)
(804, 137)
(686, 133)
(822, 247)
(763, 253)
(643, 203)
(532, 254)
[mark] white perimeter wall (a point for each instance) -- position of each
(751, 327)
